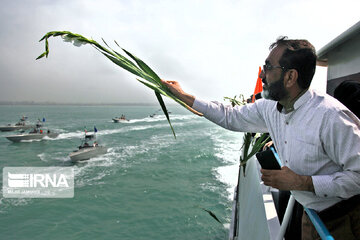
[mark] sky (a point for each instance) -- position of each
(212, 47)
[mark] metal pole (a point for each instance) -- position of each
(318, 224)
(286, 218)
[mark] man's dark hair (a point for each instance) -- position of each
(299, 55)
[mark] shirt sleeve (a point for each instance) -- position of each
(247, 118)
(341, 141)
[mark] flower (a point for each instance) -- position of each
(74, 40)
(66, 38)
(78, 43)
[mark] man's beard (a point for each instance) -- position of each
(275, 91)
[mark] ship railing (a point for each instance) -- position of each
(313, 216)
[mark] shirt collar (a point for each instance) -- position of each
(297, 102)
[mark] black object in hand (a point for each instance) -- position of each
(267, 160)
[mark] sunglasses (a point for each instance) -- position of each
(268, 67)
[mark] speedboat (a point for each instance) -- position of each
(117, 120)
(120, 119)
(89, 148)
(36, 134)
(87, 152)
(155, 113)
(33, 135)
(21, 125)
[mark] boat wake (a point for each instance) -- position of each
(80, 134)
(227, 149)
(158, 118)
(228, 175)
(92, 171)
(77, 134)
(42, 157)
(32, 140)
(6, 204)
(177, 120)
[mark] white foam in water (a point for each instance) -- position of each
(183, 117)
(87, 172)
(161, 117)
(132, 150)
(42, 157)
(6, 203)
(77, 134)
(125, 129)
(129, 129)
(226, 226)
(227, 147)
(148, 119)
(228, 175)
(58, 156)
(57, 130)
(80, 134)
(210, 187)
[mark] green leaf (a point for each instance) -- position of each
(124, 65)
(41, 56)
(47, 47)
(144, 67)
(128, 65)
(163, 107)
(159, 91)
(258, 144)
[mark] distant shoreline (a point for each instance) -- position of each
(30, 103)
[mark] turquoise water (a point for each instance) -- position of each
(148, 185)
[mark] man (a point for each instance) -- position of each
(317, 138)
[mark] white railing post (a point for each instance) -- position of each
(286, 218)
(315, 219)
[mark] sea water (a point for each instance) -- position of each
(148, 186)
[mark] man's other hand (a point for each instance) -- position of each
(286, 179)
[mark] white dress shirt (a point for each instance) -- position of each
(319, 138)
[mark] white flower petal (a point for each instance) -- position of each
(78, 43)
(66, 38)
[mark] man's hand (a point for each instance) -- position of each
(267, 145)
(286, 179)
(176, 89)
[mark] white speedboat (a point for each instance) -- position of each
(117, 120)
(21, 125)
(120, 119)
(17, 126)
(37, 133)
(85, 153)
(34, 135)
(89, 148)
